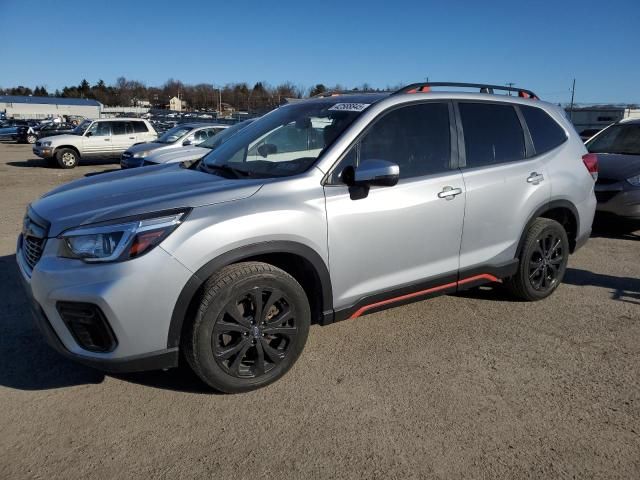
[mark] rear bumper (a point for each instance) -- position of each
(620, 202)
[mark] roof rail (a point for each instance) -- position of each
(335, 93)
(426, 87)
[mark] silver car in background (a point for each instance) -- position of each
(320, 211)
(191, 153)
(183, 135)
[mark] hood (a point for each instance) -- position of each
(143, 147)
(178, 155)
(61, 138)
(618, 167)
(135, 191)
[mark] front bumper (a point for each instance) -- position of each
(137, 298)
(43, 152)
(619, 199)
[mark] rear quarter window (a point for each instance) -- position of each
(545, 132)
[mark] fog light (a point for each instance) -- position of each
(88, 325)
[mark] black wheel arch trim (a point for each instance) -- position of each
(181, 308)
(540, 212)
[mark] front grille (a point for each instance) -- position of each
(603, 197)
(32, 250)
(34, 237)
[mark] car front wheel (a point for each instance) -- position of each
(250, 328)
(66, 158)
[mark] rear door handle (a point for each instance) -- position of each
(449, 193)
(107, 139)
(132, 138)
(535, 178)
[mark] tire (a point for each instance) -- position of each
(31, 139)
(543, 261)
(226, 348)
(67, 158)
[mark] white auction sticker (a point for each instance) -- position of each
(350, 107)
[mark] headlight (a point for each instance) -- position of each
(119, 241)
(46, 144)
(141, 154)
(635, 180)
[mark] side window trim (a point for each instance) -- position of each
(528, 142)
(530, 150)
(454, 159)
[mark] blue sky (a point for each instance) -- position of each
(541, 45)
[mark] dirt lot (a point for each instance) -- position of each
(459, 386)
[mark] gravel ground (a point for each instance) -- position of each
(473, 385)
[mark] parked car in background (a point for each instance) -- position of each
(190, 153)
(104, 138)
(322, 210)
(618, 185)
(588, 133)
(178, 137)
(28, 134)
(9, 128)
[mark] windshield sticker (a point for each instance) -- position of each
(350, 107)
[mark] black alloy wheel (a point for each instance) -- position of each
(254, 332)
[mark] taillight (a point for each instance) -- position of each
(591, 162)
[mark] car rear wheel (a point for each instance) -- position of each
(67, 158)
(543, 261)
(250, 328)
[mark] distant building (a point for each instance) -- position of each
(177, 105)
(18, 106)
(599, 116)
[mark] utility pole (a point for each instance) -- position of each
(573, 91)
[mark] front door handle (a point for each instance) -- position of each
(107, 139)
(132, 138)
(449, 193)
(535, 178)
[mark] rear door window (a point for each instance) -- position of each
(118, 128)
(140, 127)
(492, 134)
(545, 132)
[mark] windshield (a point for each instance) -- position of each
(621, 138)
(286, 141)
(174, 134)
(224, 135)
(82, 127)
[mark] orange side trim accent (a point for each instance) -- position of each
(483, 276)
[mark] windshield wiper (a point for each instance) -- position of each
(237, 173)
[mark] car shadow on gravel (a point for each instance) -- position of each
(624, 289)
(28, 363)
(32, 163)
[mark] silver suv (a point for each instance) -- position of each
(176, 138)
(320, 211)
(103, 138)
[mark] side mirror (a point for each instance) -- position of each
(188, 141)
(267, 149)
(379, 173)
(88, 134)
